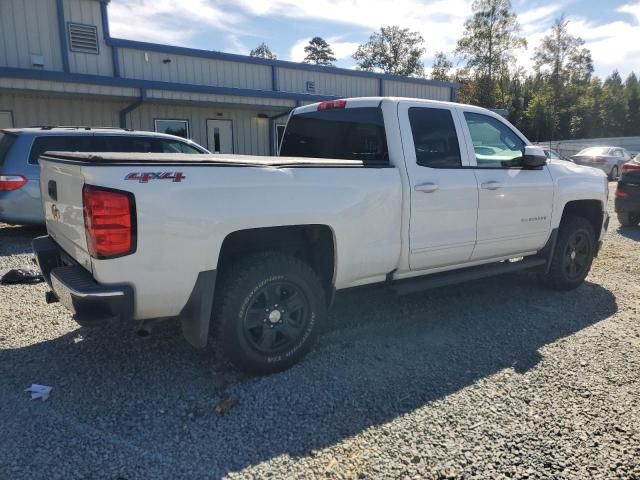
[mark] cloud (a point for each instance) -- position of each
(168, 21)
(341, 50)
(439, 21)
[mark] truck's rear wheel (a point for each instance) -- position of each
(269, 310)
(572, 256)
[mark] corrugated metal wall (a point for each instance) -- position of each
(88, 12)
(250, 133)
(394, 88)
(290, 80)
(193, 70)
(31, 110)
(29, 27)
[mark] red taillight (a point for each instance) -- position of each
(620, 194)
(630, 166)
(331, 104)
(600, 160)
(11, 182)
(109, 222)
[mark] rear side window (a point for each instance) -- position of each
(59, 143)
(6, 142)
(345, 133)
(434, 138)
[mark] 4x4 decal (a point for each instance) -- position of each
(145, 177)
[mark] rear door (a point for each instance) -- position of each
(515, 204)
(444, 192)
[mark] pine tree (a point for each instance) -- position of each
(319, 52)
(263, 51)
(441, 67)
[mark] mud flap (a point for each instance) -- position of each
(195, 317)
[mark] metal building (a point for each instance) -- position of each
(60, 66)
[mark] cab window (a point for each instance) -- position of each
(434, 138)
(495, 145)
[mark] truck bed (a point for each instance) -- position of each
(169, 159)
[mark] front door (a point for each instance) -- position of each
(220, 136)
(515, 204)
(444, 194)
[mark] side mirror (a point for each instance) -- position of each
(533, 157)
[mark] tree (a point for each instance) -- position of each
(319, 52)
(393, 50)
(632, 91)
(441, 67)
(263, 51)
(490, 36)
(563, 61)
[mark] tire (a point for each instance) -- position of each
(573, 255)
(629, 219)
(270, 309)
(614, 173)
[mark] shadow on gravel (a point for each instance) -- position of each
(632, 233)
(17, 240)
(381, 357)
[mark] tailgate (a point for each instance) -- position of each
(61, 189)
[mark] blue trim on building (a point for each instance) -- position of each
(54, 76)
(381, 87)
(192, 52)
(62, 32)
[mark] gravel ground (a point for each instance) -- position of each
(490, 379)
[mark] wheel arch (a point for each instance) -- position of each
(313, 243)
(590, 209)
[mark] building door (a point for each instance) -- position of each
(6, 120)
(220, 136)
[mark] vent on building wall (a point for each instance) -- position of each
(83, 38)
(311, 86)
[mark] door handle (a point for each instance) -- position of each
(426, 187)
(493, 185)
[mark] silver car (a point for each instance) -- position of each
(607, 159)
(20, 149)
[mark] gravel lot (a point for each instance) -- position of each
(490, 379)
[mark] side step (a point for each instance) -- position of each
(435, 280)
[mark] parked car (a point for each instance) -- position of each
(554, 155)
(627, 202)
(411, 193)
(20, 148)
(607, 159)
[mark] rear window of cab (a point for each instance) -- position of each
(341, 133)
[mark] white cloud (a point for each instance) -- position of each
(168, 21)
(341, 50)
(440, 22)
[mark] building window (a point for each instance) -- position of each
(180, 128)
(310, 86)
(83, 38)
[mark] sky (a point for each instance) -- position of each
(610, 28)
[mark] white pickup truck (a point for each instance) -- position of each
(250, 250)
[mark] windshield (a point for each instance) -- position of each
(346, 133)
(595, 151)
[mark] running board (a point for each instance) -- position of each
(435, 280)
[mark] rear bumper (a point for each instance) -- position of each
(630, 203)
(90, 302)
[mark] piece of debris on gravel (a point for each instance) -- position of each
(493, 379)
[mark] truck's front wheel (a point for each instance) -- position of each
(572, 256)
(268, 311)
